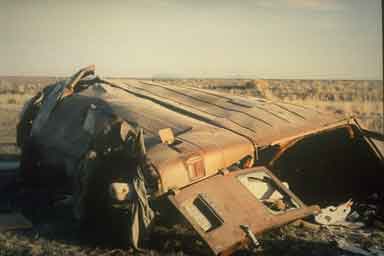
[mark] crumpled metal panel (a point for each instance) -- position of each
(221, 128)
(260, 120)
(217, 147)
(217, 150)
(374, 139)
(218, 206)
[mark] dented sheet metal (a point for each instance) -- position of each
(189, 140)
(56, 93)
(260, 120)
(200, 149)
(214, 127)
(217, 214)
(374, 139)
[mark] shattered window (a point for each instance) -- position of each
(203, 212)
(265, 189)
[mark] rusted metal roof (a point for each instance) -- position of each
(259, 120)
(212, 130)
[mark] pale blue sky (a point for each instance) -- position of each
(254, 38)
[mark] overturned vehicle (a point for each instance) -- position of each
(220, 159)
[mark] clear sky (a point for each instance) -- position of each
(206, 38)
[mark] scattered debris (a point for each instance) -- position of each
(376, 252)
(352, 248)
(250, 235)
(332, 215)
(306, 224)
(379, 224)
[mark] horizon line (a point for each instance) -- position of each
(198, 78)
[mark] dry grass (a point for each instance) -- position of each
(13, 99)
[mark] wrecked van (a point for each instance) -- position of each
(219, 159)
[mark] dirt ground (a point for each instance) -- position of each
(56, 233)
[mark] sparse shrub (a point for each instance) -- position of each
(11, 101)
